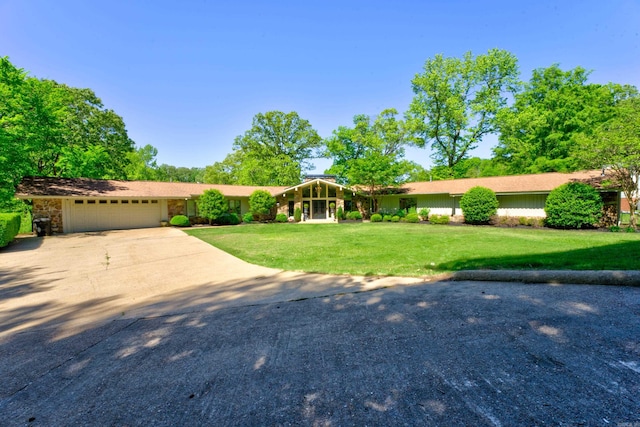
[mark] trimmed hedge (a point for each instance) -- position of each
(478, 205)
(228, 219)
(297, 215)
(247, 217)
(376, 218)
(424, 214)
(355, 215)
(412, 217)
(573, 205)
(180, 221)
(439, 219)
(281, 217)
(9, 227)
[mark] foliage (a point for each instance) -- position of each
(573, 205)
(540, 132)
(180, 221)
(400, 213)
(297, 215)
(478, 205)
(340, 213)
(281, 217)
(347, 248)
(395, 218)
(247, 217)
(275, 151)
(614, 229)
(212, 204)
(9, 227)
(412, 217)
(387, 218)
(260, 203)
(456, 101)
(376, 218)
(370, 154)
(227, 219)
(354, 215)
(616, 147)
(50, 129)
(424, 214)
(142, 164)
(439, 219)
(169, 173)
(412, 210)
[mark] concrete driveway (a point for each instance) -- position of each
(153, 327)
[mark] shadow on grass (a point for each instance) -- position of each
(619, 256)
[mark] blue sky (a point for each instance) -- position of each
(188, 77)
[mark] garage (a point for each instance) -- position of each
(111, 214)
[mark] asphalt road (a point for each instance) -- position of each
(444, 353)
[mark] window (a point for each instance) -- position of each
(135, 201)
(407, 203)
(192, 209)
(145, 202)
(113, 202)
(124, 202)
(154, 202)
(78, 202)
(102, 202)
(91, 202)
(235, 206)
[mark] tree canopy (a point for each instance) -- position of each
(456, 101)
(539, 132)
(370, 154)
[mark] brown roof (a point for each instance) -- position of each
(544, 182)
(31, 187)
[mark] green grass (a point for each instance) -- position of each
(421, 250)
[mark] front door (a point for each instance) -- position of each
(319, 209)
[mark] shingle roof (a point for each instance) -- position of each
(543, 182)
(82, 187)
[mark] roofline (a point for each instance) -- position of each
(311, 182)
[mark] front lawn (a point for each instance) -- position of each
(421, 250)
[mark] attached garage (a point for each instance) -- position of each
(111, 214)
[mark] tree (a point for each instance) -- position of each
(456, 101)
(276, 150)
(212, 205)
(539, 132)
(169, 173)
(260, 203)
(142, 164)
(370, 154)
(615, 147)
(226, 171)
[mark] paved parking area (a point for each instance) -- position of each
(191, 336)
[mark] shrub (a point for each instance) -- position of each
(630, 230)
(228, 219)
(412, 210)
(9, 227)
(180, 221)
(573, 205)
(395, 218)
(478, 205)
(424, 214)
(376, 218)
(297, 214)
(248, 217)
(261, 202)
(400, 213)
(439, 219)
(412, 217)
(387, 218)
(281, 217)
(614, 229)
(355, 215)
(212, 205)
(523, 220)
(340, 213)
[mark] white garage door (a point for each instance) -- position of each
(96, 215)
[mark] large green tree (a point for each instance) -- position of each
(370, 154)
(456, 101)
(539, 132)
(615, 147)
(50, 129)
(142, 164)
(275, 151)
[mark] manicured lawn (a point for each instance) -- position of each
(419, 249)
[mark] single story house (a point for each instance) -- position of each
(80, 204)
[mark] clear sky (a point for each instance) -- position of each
(188, 76)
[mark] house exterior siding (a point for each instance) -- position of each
(529, 205)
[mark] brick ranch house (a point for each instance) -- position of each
(79, 204)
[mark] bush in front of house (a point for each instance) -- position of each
(180, 221)
(573, 205)
(212, 205)
(9, 227)
(340, 213)
(395, 218)
(387, 218)
(424, 214)
(412, 217)
(439, 219)
(281, 217)
(260, 203)
(376, 217)
(354, 215)
(228, 219)
(478, 205)
(248, 217)
(297, 215)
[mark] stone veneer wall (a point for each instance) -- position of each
(49, 208)
(175, 207)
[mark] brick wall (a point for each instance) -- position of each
(175, 207)
(52, 209)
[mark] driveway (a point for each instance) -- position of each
(153, 327)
